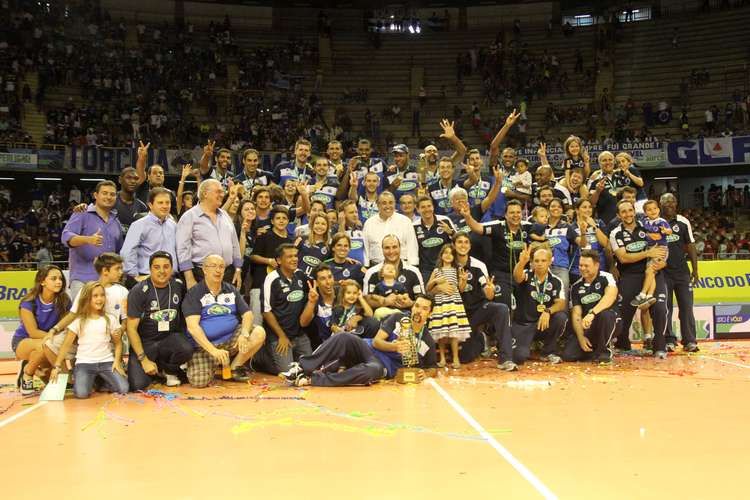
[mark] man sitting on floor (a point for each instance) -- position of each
(345, 359)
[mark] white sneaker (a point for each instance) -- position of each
(554, 359)
(172, 380)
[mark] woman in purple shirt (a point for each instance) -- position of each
(39, 311)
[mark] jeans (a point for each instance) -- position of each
(300, 346)
(86, 373)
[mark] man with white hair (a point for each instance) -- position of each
(388, 221)
(206, 229)
(603, 187)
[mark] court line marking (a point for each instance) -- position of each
(727, 362)
(22, 413)
(507, 455)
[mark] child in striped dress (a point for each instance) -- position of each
(449, 323)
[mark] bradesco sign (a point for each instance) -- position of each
(724, 281)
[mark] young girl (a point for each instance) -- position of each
(95, 331)
(351, 308)
(540, 216)
(575, 158)
(448, 321)
(39, 310)
(315, 248)
(521, 180)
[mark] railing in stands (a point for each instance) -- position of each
(724, 256)
(31, 266)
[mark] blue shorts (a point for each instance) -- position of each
(15, 341)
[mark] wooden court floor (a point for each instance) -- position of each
(678, 428)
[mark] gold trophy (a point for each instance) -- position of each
(409, 374)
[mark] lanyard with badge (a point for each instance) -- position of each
(162, 324)
(540, 295)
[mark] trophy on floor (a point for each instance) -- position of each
(410, 359)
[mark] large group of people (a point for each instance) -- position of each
(333, 271)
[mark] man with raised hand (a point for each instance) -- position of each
(542, 307)
(222, 168)
(154, 176)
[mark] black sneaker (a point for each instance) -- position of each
(604, 357)
(19, 377)
(27, 386)
(660, 355)
(240, 374)
(294, 372)
(691, 347)
(508, 366)
(671, 347)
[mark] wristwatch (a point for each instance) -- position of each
(142, 356)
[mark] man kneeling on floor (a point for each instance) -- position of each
(346, 359)
(594, 316)
(213, 310)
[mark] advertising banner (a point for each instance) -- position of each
(732, 321)
(704, 324)
(723, 281)
(709, 152)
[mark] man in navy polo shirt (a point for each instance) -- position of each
(283, 296)
(542, 307)
(594, 315)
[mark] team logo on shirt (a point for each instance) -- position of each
(636, 246)
(117, 306)
(324, 250)
(516, 245)
(676, 228)
(346, 273)
(537, 296)
(671, 238)
(295, 296)
(175, 298)
(554, 241)
(310, 261)
(402, 279)
(299, 283)
(164, 315)
(154, 304)
(218, 310)
(591, 298)
(356, 244)
(598, 286)
(440, 229)
(641, 234)
(433, 242)
(145, 288)
(469, 276)
(549, 286)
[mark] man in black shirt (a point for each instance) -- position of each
(284, 295)
(508, 238)
(594, 315)
(156, 330)
(630, 246)
(126, 204)
(678, 277)
(542, 307)
(433, 231)
(603, 187)
(407, 276)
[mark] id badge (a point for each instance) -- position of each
(163, 326)
(423, 348)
